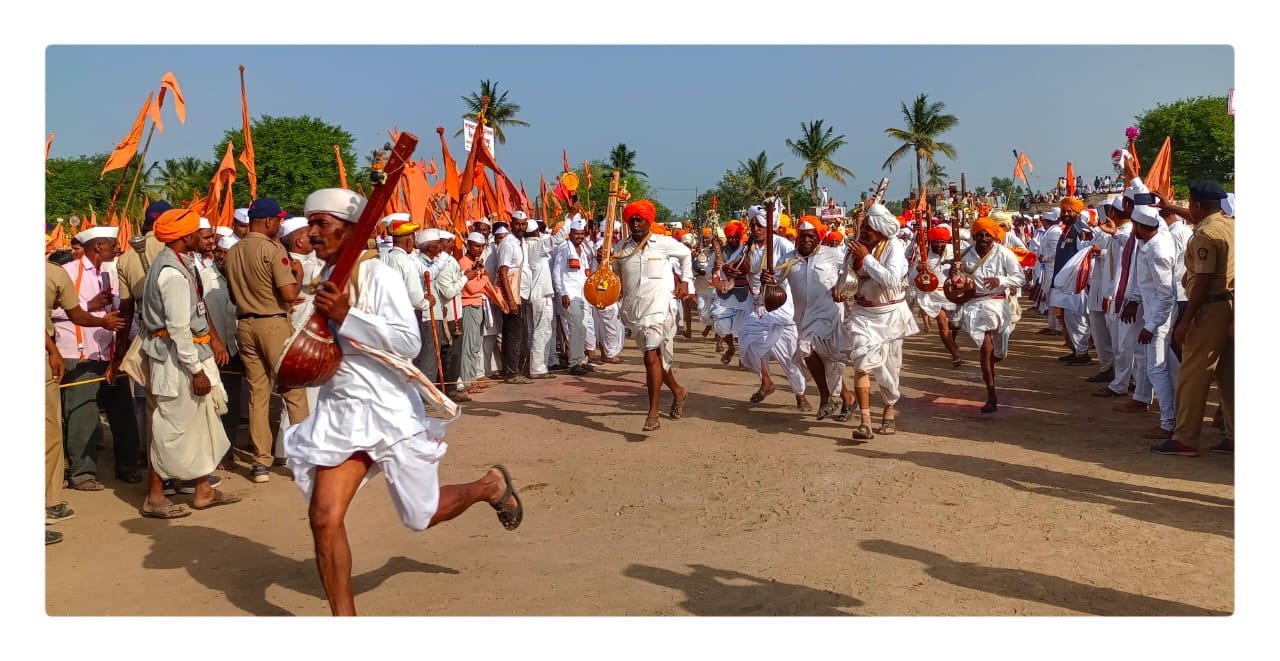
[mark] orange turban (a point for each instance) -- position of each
(790, 233)
(834, 237)
(706, 233)
(1073, 204)
(642, 208)
(175, 224)
(656, 228)
(734, 228)
(989, 226)
(939, 234)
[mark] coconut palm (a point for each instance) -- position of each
(937, 175)
(177, 179)
(624, 160)
(756, 178)
(925, 123)
(816, 148)
(501, 113)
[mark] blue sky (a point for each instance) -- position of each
(690, 112)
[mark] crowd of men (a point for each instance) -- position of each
(194, 314)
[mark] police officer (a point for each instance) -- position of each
(264, 284)
(1204, 333)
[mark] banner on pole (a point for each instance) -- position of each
(469, 132)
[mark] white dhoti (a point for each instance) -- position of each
(657, 332)
(729, 313)
(491, 358)
(771, 334)
(931, 303)
(988, 314)
(1124, 339)
(821, 337)
(188, 439)
(706, 295)
(608, 327)
(874, 336)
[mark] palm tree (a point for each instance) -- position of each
(937, 175)
(178, 178)
(925, 124)
(624, 160)
(816, 148)
(756, 177)
(501, 113)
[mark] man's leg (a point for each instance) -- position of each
(988, 357)
(1201, 353)
(818, 370)
(948, 337)
(54, 461)
(653, 383)
(451, 353)
(258, 374)
(231, 373)
(428, 361)
(1126, 338)
(576, 328)
(471, 360)
(83, 429)
(330, 497)
(274, 333)
(117, 401)
(540, 333)
(1162, 374)
(1101, 334)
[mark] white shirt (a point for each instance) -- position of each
(221, 311)
(1181, 233)
(783, 250)
(447, 282)
(537, 270)
(1151, 280)
(410, 271)
(884, 279)
(810, 280)
(648, 283)
(570, 266)
(1002, 265)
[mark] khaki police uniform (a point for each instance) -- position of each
(59, 292)
(1206, 351)
(256, 269)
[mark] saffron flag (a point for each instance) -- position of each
(1071, 181)
(586, 171)
(246, 156)
(48, 143)
(1023, 168)
(342, 171)
(128, 148)
(126, 233)
(566, 161)
(1159, 178)
(55, 240)
(168, 82)
(452, 183)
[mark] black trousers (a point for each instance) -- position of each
(515, 345)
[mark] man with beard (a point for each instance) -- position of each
(934, 304)
(571, 264)
(765, 334)
(986, 317)
(878, 319)
(367, 418)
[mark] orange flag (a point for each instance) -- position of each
(1159, 177)
(226, 215)
(431, 169)
(342, 170)
(127, 149)
(126, 233)
(1071, 181)
(566, 161)
(154, 111)
(1023, 168)
(55, 240)
(468, 171)
(48, 143)
(168, 82)
(452, 184)
(246, 156)
(586, 170)
(524, 197)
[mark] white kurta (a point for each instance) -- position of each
(570, 267)
(768, 334)
(648, 285)
(931, 303)
(878, 319)
(188, 439)
(989, 310)
(367, 407)
(818, 316)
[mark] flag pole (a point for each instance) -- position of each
(142, 161)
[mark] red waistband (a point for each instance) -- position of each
(868, 304)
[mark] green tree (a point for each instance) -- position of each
(624, 160)
(937, 176)
(72, 186)
(293, 157)
(756, 178)
(925, 124)
(177, 178)
(816, 148)
(1202, 136)
(501, 114)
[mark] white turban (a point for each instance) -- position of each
(338, 202)
(476, 237)
(223, 230)
(758, 215)
(204, 223)
(577, 222)
(242, 215)
(1053, 214)
(227, 241)
(880, 219)
(292, 225)
(426, 236)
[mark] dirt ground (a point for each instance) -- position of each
(1052, 506)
